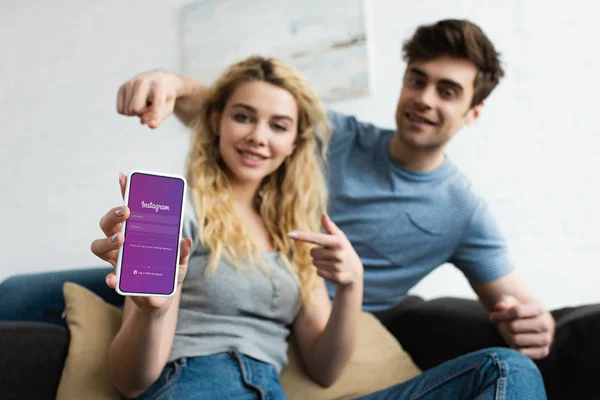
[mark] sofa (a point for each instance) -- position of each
(50, 361)
(36, 355)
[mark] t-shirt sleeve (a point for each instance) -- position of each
(342, 124)
(346, 130)
(482, 254)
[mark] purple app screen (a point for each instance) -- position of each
(149, 256)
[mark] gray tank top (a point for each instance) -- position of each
(246, 308)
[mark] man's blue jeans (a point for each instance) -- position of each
(495, 373)
(39, 297)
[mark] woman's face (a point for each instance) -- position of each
(257, 130)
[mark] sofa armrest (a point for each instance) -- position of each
(33, 356)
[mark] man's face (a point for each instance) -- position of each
(435, 102)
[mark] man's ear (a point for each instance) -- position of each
(473, 114)
(215, 117)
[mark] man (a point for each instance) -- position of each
(405, 207)
(399, 199)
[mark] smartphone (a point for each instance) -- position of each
(148, 260)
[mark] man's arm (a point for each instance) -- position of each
(189, 102)
(522, 320)
(483, 257)
(512, 284)
(153, 96)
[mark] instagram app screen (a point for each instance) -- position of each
(149, 258)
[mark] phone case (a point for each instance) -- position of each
(119, 269)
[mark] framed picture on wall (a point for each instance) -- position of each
(325, 40)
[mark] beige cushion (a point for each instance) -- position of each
(92, 324)
(377, 363)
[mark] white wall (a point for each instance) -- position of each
(531, 155)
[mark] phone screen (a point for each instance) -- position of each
(149, 255)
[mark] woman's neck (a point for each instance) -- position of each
(244, 196)
(244, 201)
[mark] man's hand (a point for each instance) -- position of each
(526, 327)
(334, 257)
(150, 96)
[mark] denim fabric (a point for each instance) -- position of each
(488, 374)
(219, 376)
(39, 297)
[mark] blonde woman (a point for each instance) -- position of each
(253, 262)
(246, 277)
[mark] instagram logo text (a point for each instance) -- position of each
(155, 207)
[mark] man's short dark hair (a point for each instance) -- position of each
(460, 39)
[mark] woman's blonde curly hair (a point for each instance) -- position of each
(292, 198)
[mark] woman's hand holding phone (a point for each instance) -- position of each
(108, 249)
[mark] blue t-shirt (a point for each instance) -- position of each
(404, 224)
